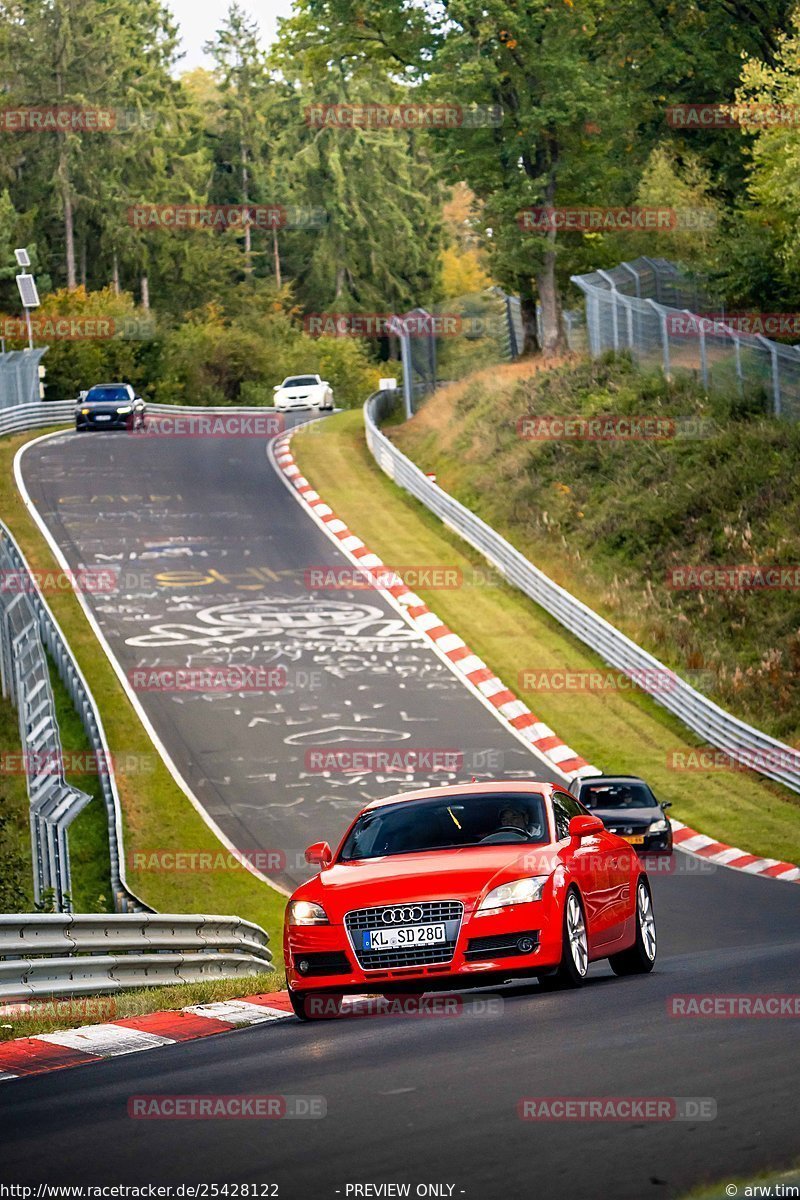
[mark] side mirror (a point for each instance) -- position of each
(324, 383)
(666, 804)
(319, 855)
(277, 387)
(581, 827)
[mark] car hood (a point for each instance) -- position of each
(464, 875)
(102, 405)
(627, 818)
(299, 393)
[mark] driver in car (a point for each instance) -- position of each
(514, 818)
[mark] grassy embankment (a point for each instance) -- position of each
(617, 730)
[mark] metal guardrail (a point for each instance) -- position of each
(26, 683)
(35, 416)
(46, 954)
(741, 741)
(23, 417)
(27, 626)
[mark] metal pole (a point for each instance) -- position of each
(405, 356)
(664, 335)
(614, 313)
(776, 373)
(28, 323)
(698, 321)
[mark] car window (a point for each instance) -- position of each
(573, 806)
(568, 807)
(621, 795)
(300, 381)
(108, 393)
(561, 817)
(446, 823)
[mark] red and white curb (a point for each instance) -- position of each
(25, 1056)
(730, 856)
(473, 672)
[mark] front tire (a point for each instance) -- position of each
(640, 958)
(574, 966)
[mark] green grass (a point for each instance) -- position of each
(16, 880)
(51, 1014)
(608, 520)
(156, 814)
(616, 731)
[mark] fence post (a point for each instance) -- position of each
(776, 373)
(512, 333)
(738, 354)
(702, 335)
(397, 326)
(662, 318)
(593, 323)
(629, 311)
(614, 310)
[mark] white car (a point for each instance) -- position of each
(303, 391)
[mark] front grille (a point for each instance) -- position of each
(425, 913)
(500, 945)
(324, 962)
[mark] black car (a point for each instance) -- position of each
(626, 806)
(110, 406)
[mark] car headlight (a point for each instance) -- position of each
(521, 891)
(304, 912)
(125, 409)
(84, 412)
(660, 826)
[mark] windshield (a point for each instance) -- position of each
(618, 795)
(300, 381)
(447, 823)
(108, 393)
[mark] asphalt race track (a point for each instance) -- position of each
(434, 1100)
(419, 1101)
(212, 554)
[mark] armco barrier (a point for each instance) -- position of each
(35, 416)
(61, 412)
(27, 626)
(64, 954)
(741, 741)
(26, 683)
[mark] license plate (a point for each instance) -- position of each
(635, 841)
(404, 935)
(103, 417)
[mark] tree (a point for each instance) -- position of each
(84, 55)
(241, 126)
(533, 63)
(377, 244)
(767, 104)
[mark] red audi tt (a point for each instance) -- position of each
(462, 886)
